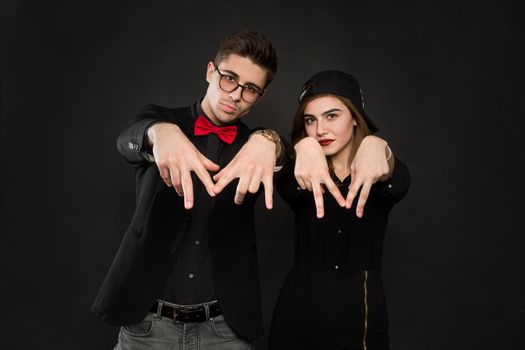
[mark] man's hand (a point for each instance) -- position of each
(253, 164)
(369, 165)
(176, 157)
(311, 172)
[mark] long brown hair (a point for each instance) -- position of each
(361, 130)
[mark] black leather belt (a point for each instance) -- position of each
(188, 314)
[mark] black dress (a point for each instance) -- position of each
(333, 296)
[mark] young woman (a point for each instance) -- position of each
(333, 296)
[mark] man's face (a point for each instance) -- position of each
(226, 107)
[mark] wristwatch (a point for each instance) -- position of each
(272, 136)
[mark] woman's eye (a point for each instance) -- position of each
(331, 116)
(308, 120)
(229, 78)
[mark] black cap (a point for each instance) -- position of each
(341, 84)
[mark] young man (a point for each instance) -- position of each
(186, 272)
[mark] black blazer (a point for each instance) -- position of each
(143, 262)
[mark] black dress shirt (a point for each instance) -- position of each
(191, 279)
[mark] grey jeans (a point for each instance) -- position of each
(162, 333)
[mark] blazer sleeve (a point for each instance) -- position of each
(132, 142)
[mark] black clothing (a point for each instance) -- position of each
(333, 296)
(148, 251)
(190, 281)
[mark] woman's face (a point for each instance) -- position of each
(330, 122)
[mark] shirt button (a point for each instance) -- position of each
(336, 267)
(298, 188)
(190, 275)
(339, 231)
(389, 185)
(197, 242)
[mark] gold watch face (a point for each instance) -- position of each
(272, 135)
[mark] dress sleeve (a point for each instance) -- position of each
(286, 184)
(395, 188)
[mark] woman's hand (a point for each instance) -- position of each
(311, 172)
(370, 165)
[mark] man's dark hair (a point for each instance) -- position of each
(254, 46)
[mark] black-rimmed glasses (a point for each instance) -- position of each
(249, 93)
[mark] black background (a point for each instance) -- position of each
(443, 80)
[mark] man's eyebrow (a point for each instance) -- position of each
(236, 77)
(255, 86)
(230, 72)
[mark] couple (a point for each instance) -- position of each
(186, 273)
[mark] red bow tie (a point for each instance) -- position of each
(226, 133)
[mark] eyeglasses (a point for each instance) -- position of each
(249, 93)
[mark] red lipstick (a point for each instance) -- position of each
(325, 142)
